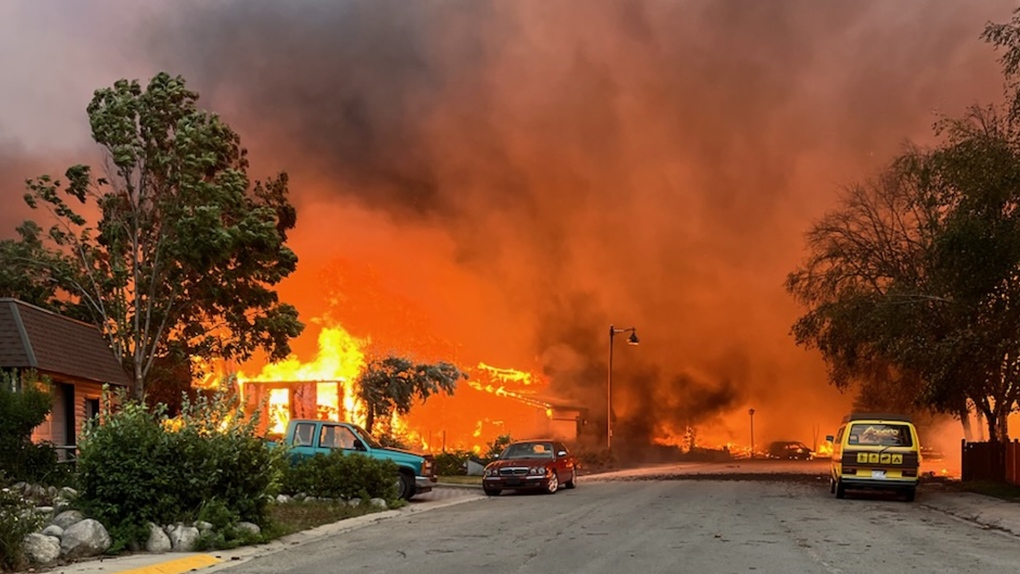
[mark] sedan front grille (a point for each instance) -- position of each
(515, 471)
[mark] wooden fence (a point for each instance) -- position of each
(1013, 462)
(994, 461)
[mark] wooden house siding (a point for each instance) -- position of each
(72, 354)
(55, 428)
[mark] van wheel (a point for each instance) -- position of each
(832, 485)
(910, 494)
(840, 490)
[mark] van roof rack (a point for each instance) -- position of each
(877, 417)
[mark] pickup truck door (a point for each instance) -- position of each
(303, 440)
(336, 436)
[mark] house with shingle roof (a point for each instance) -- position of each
(72, 354)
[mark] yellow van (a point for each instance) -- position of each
(875, 451)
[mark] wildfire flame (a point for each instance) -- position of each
(335, 369)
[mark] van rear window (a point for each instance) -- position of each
(878, 434)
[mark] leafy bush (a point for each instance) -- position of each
(452, 463)
(339, 475)
(17, 520)
(24, 403)
(139, 466)
(224, 533)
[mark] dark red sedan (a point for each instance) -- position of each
(535, 464)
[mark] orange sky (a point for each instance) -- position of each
(500, 181)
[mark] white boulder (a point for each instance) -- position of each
(85, 538)
(184, 538)
(249, 527)
(41, 549)
(158, 541)
(68, 518)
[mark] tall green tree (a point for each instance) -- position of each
(393, 383)
(920, 271)
(170, 249)
(29, 271)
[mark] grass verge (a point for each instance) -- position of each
(460, 479)
(1000, 490)
(297, 516)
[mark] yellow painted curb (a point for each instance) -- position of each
(176, 566)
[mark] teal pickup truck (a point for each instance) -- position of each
(307, 438)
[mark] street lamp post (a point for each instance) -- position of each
(632, 340)
(751, 412)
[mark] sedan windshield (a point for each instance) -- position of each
(528, 450)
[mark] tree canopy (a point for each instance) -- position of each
(170, 249)
(393, 383)
(919, 271)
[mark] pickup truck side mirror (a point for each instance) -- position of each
(358, 445)
(829, 437)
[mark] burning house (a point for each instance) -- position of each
(492, 402)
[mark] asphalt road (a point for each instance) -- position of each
(648, 526)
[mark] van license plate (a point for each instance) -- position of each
(878, 474)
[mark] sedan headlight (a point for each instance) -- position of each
(539, 470)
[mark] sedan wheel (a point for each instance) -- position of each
(572, 483)
(554, 484)
(491, 491)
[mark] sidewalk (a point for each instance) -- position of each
(181, 562)
(978, 508)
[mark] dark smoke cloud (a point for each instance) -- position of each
(641, 161)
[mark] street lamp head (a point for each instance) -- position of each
(632, 340)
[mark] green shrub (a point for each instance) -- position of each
(17, 520)
(452, 463)
(139, 466)
(339, 475)
(224, 533)
(24, 403)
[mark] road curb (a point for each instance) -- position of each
(231, 558)
(177, 566)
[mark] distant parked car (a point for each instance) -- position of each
(536, 465)
(789, 450)
(929, 453)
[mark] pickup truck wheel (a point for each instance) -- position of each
(405, 486)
